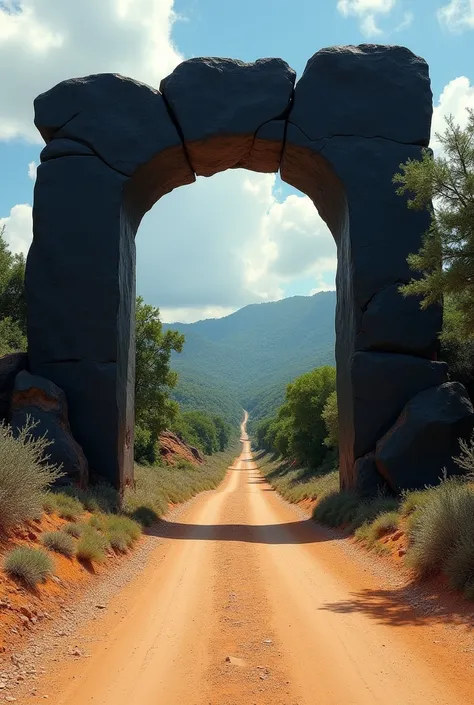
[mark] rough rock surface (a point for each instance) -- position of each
(10, 366)
(173, 449)
(45, 403)
(425, 438)
(385, 382)
(395, 323)
(369, 483)
(220, 104)
(368, 90)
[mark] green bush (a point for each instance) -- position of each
(59, 541)
(337, 508)
(443, 527)
(460, 563)
(415, 500)
(92, 546)
(119, 540)
(97, 498)
(25, 474)
(123, 524)
(67, 507)
(383, 524)
(145, 446)
(30, 565)
(370, 510)
(75, 529)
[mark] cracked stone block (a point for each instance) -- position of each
(382, 383)
(367, 90)
(220, 104)
(45, 404)
(420, 447)
(395, 323)
(124, 122)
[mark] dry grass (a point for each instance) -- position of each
(158, 487)
(298, 484)
(24, 476)
(59, 541)
(30, 565)
(92, 546)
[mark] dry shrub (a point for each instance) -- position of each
(30, 565)
(59, 541)
(25, 474)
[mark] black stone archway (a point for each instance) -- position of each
(115, 146)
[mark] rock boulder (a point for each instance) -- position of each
(10, 366)
(425, 438)
(45, 403)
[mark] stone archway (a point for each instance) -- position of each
(115, 146)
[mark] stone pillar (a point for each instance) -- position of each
(358, 113)
(102, 132)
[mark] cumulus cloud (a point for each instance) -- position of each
(233, 244)
(32, 166)
(456, 98)
(43, 42)
(457, 15)
(18, 228)
(367, 11)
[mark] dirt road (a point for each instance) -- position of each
(246, 602)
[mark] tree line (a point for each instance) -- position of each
(305, 427)
(155, 410)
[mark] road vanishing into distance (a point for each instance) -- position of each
(246, 601)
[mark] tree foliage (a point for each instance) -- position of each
(445, 186)
(12, 299)
(208, 432)
(154, 410)
(330, 416)
(306, 423)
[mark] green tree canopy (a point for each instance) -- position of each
(154, 410)
(445, 186)
(306, 424)
(12, 299)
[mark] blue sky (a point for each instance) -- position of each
(239, 237)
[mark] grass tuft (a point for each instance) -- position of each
(75, 529)
(59, 541)
(92, 546)
(30, 565)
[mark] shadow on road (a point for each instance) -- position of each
(295, 532)
(412, 604)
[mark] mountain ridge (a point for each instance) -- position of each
(253, 353)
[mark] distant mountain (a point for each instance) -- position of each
(247, 359)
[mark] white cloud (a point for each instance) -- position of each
(457, 96)
(457, 15)
(32, 167)
(205, 249)
(51, 40)
(367, 11)
(18, 228)
(406, 22)
(233, 244)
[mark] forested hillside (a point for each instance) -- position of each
(247, 359)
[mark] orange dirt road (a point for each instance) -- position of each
(247, 602)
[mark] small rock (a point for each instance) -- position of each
(10, 699)
(402, 552)
(100, 607)
(397, 535)
(267, 641)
